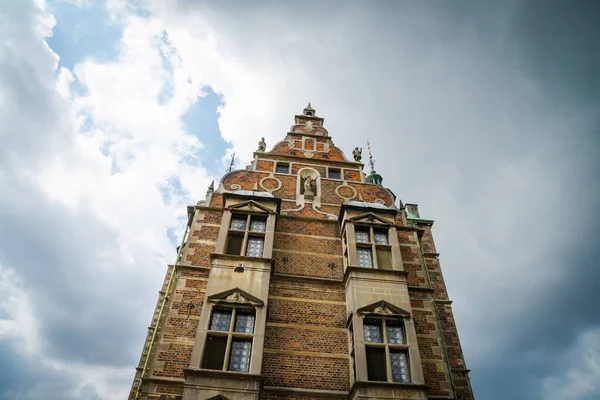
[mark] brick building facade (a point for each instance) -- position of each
(302, 278)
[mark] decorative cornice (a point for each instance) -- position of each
(308, 218)
(420, 289)
(306, 278)
(291, 158)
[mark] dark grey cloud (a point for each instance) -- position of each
(84, 297)
(487, 114)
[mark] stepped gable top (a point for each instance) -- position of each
(307, 168)
(308, 139)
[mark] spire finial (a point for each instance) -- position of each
(232, 161)
(371, 160)
(373, 177)
(309, 110)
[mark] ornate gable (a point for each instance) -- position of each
(383, 308)
(235, 296)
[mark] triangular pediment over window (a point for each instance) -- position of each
(235, 296)
(383, 308)
(218, 397)
(369, 218)
(250, 206)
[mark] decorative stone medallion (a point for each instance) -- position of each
(270, 184)
(235, 186)
(379, 201)
(345, 192)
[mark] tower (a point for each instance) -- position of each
(300, 277)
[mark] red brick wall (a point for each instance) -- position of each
(352, 175)
(264, 165)
(321, 373)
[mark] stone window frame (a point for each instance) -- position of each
(251, 207)
(375, 248)
(234, 297)
(383, 309)
(387, 346)
(230, 334)
(247, 233)
(371, 222)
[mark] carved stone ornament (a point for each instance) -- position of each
(308, 185)
(345, 192)
(309, 126)
(262, 145)
(236, 298)
(235, 186)
(309, 178)
(383, 309)
(357, 153)
(270, 183)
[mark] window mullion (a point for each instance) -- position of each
(229, 339)
(245, 241)
(388, 360)
(373, 248)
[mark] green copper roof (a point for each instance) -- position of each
(411, 216)
(375, 178)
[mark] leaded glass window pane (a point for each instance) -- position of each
(255, 246)
(244, 323)
(220, 321)
(240, 355)
(400, 367)
(395, 334)
(238, 223)
(365, 259)
(381, 238)
(362, 236)
(258, 225)
(282, 168)
(372, 331)
(335, 174)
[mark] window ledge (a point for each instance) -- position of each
(390, 385)
(240, 258)
(213, 373)
(376, 271)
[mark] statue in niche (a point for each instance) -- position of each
(309, 179)
(308, 185)
(357, 153)
(262, 145)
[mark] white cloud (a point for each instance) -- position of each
(94, 148)
(474, 141)
(580, 371)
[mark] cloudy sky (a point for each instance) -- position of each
(115, 115)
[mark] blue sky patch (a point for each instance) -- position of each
(201, 120)
(83, 32)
